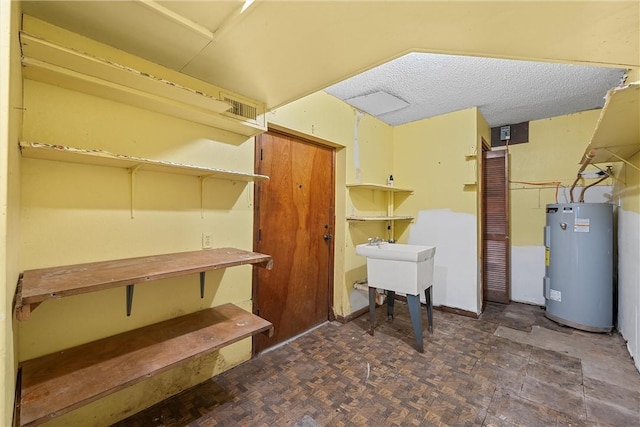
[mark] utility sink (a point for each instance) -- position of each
(398, 267)
(407, 269)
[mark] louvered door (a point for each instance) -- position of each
(496, 287)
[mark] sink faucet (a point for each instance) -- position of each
(375, 241)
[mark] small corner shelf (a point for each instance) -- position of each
(390, 217)
(617, 134)
(62, 153)
(380, 218)
(380, 187)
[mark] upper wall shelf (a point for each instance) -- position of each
(58, 65)
(617, 134)
(379, 187)
(38, 150)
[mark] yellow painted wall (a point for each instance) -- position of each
(555, 147)
(323, 118)
(73, 213)
(429, 157)
(10, 126)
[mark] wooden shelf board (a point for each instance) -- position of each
(55, 384)
(617, 130)
(58, 282)
(380, 218)
(380, 187)
(38, 150)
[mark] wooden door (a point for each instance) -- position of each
(293, 223)
(496, 248)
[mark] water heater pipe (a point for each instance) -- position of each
(581, 200)
(587, 159)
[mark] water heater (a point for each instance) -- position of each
(578, 282)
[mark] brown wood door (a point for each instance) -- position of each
(293, 223)
(496, 248)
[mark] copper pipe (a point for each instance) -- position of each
(585, 162)
(581, 200)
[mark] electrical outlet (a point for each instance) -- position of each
(207, 240)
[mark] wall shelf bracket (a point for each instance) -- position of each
(129, 299)
(202, 277)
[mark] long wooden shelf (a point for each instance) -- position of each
(51, 63)
(617, 134)
(62, 153)
(57, 282)
(55, 384)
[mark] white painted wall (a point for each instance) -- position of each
(527, 271)
(456, 260)
(527, 262)
(629, 281)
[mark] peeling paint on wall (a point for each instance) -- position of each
(455, 281)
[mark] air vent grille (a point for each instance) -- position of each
(241, 109)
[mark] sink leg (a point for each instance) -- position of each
(413, 301)
(391, 296)
(428, 294)
(372, 309)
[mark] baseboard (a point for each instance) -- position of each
(457, 311)
(349, 317)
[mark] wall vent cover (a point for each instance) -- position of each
(240, 109)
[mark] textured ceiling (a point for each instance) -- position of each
(506, 91)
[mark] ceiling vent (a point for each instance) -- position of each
(240, 109)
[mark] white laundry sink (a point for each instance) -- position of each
(398, 267)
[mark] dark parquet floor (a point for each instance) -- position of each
(510, 367)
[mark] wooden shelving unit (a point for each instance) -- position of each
(55, 384)
(617, 134)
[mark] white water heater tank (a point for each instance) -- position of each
(578, 282)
